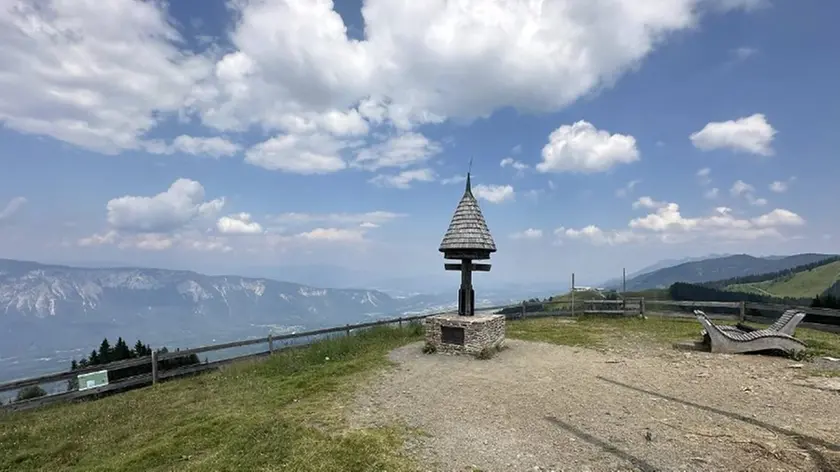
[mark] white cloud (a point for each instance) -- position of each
(142, 241)
(756, 201)
(102, 78)
(779, 217)
(333, 235)
(513, 163)
(215, 146)
(597, 236)
(96, 77)
(304, 154)
(529, 233)
(667, 224)
(740, 188)
(337, 219)
(457, 179)
(422, 62)
(404, 179)
(583, 148)
(239, 223)
(752, 134)
(712, 193)
(624, 191)
(743, 52)
(174, 208)
(779, 186)
(703, 176)
(12, 207)
(647, 202)
(494, 193)
(400, 151)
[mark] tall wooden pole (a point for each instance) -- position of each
(623, 281)
(573, 294)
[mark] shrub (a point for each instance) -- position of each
(30, 392)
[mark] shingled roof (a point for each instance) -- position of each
(468, 230)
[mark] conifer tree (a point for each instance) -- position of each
(105, 352)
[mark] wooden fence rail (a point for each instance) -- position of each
(634, 306)
(158, 356)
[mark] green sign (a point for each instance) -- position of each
(93, 380)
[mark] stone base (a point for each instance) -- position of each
(456, 334)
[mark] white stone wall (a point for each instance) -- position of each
(480, 332)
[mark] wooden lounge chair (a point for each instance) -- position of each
(733, 342)
(786, 324)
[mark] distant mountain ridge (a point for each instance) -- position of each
(719, 268)
(46, 308)
(615, 283)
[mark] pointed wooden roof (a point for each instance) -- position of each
(468, 230)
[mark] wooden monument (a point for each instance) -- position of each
(467, 239)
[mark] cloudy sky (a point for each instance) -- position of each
(221, 135)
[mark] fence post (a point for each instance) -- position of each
(522, 315)
(743, 314)
(642, 306)
(400, 320)
(154, 367)
(270, 344)
(347, 330)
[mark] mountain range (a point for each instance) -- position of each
(718, 268)
(616, 283)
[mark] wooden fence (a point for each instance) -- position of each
(156, 358)
(628, 307)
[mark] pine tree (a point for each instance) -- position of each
(94, 358)
(121, 351)
(105, 352)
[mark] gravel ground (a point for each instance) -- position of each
(539, 406)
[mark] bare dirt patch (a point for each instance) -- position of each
(539, 406)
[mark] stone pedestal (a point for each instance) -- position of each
(456, 334)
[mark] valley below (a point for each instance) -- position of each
(53, 314)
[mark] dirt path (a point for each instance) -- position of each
(545, 407)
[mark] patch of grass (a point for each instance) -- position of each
(284, 413)
(603, 331)
(820, 343)
(489, 352)
(551, 330)
(824, 373)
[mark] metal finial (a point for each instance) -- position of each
(468, 189)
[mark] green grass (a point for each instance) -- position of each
(804, 284)
(284, 413)
(603, 332)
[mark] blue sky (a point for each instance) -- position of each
(221, 136)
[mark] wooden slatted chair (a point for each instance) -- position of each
(786, 324)
(734, 342)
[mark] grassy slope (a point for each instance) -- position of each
(800, 285)
(285, 413)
